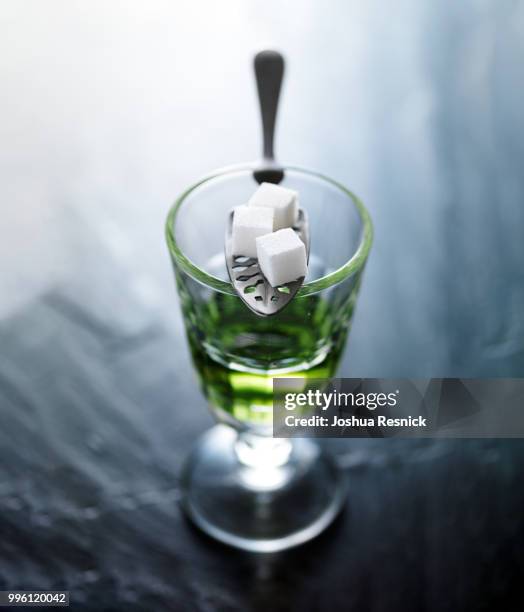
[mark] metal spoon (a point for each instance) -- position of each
(244, 272)
(269, 70)
(249, 282)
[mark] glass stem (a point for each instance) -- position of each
(262, 452)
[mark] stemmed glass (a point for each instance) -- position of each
(241, 485)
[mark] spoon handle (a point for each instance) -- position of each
(269, 70)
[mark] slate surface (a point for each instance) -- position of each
(94, 428)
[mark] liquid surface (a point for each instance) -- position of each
(237, 353)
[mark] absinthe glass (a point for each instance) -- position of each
(240, 485)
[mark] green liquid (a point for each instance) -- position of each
(237, 353)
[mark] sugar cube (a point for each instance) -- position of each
(284, 202)
(249, 222)
(281, 256)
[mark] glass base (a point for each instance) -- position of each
(260, 494)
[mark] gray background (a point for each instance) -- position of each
(110, 109)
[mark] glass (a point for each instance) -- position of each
(241, 485)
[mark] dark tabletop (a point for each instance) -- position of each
(107, 112)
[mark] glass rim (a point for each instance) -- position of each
(354, 264)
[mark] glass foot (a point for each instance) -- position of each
(260, 494)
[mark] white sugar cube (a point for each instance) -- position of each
(249, 222)
(283, 201)
(281, 257)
